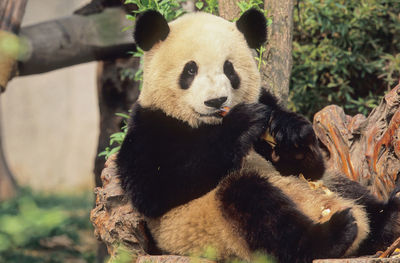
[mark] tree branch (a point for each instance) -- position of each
(74, 40)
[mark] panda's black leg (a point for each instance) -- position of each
(384, 217)
(271, 222)
(384, 224)
(336, 235)
(296, 143)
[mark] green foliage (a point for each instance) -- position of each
(344, 53)
(170, 9)
(211, 6)
(117, 138)
(122, 255)
(32, 222)
(246, 5)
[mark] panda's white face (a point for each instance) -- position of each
(204, 64)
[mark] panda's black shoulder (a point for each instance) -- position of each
(267, 98)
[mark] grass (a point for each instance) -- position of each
(38, 227)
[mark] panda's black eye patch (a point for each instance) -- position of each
(232, 75)
(188, 73)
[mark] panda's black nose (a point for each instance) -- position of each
(216, 103)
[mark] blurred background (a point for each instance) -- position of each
(50, 121)
(50, 128)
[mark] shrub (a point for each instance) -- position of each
(344, 52)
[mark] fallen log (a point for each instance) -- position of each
(364, 149)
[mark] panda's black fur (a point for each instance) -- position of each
(170, 163)
(171, 168)
(383, 217)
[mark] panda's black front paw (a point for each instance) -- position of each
(296, 147)
(249, 120)
(292, 131)
(392, 224)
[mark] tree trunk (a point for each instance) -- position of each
(8, 185)
(116, 94)
(11, 13)
(277, 57)
(276, 71)
(228, 9)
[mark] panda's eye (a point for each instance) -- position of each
(191, 68)
(228, 68)
(231, 74)
(188, 73)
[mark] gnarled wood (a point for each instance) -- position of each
(115, 221)
(366, 150)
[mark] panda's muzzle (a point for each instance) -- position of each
(216, 103)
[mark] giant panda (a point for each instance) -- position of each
(203, 180)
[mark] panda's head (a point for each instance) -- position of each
(199, 63)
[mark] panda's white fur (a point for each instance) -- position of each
(175, 137)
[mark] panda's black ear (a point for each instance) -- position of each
(253, 25)
(150, 28)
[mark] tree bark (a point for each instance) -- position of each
(276, 71)
(277, 57)
(74, 40)
(116, 94)
(366, 150)
(228, 9)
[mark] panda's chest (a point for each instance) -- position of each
(194, 154)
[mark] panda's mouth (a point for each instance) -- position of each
(215, 114)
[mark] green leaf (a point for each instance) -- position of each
(123, 115)
(199, 5)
